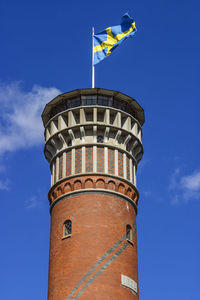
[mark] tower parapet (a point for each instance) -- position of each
(93, 142)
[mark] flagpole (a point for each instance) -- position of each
(93, 57)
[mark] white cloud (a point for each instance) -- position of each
(4, 185)
(184, 187)
(32, 203)
(173, 179)
(20, 119)
(146, 193)
(191, 182)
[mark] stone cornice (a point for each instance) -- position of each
(93, 182)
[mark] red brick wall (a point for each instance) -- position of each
(92, 181)
(60, 174)
(98, 222)
(100, 159)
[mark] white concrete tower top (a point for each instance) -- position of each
(85, 126)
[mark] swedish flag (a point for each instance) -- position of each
(108, 40)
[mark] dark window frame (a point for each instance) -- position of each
(129, 233)
(67, 229)
(90, 100)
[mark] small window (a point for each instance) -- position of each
(67, 229)
(74, 102)
(89, 100)
(129, 234)
(99, 139)
(115, 103)
(104, 100)
(124, 106)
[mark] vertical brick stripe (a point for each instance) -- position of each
(133, 174)
(55, 172)
(100, 159)
(60, 166)
(128, 168)
(68, 163)
(120, 164)
(78, 160)
(111, 161)
(89, 159)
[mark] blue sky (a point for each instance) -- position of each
(45, 50)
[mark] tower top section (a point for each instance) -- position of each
(93, 97)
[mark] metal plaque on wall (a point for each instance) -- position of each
(128, 282)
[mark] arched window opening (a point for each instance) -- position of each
(129, 233)
(67, 229)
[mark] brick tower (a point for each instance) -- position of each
(93, 145)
